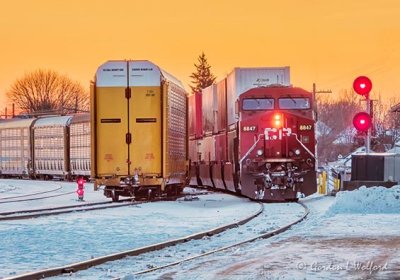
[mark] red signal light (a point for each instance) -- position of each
(81, 182)
(362, 121)
(362, 85)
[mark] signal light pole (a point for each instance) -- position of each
(368, 144)
(362, 121)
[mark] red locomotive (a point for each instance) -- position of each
(259, 142)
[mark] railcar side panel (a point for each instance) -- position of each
(175, 113)
(80, 145)
(51, 147)
(15, 147)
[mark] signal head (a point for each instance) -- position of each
(81, 181)
(362, 121)
(362, 85)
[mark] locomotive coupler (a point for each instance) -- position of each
(267, 180)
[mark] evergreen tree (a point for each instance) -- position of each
(203, 77)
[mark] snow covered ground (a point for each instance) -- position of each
(35, 244)
(353, 236)
(273, 217)
(62, 193)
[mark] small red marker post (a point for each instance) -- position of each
(81, 188)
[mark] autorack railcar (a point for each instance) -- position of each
(46, 147)
(16, 147)
(139, 130)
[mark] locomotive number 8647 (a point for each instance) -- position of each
(257, 141)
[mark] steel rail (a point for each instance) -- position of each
(31, 194)
(261, 236)
(36, 198)
(19, 215)
(134, 252)
(51, 208)
(63, 210)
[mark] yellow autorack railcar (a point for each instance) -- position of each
(138, 116)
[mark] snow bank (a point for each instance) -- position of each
(367, 201)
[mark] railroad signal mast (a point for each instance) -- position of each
(362, 121)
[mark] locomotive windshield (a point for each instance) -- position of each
(258, 104)
(294, 103)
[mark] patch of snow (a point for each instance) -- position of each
(6, 188)
(365, 200)
(274, 216)
(346, 136)
(348, 245)
(53, 121)
(39, 243)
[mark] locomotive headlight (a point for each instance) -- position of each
(277, 120)
(260, 152)
(297, 152)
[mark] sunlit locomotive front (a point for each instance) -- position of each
(277, 143)
(252, 133)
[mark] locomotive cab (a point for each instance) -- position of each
(277, 143)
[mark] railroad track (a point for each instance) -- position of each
(42, 212)
(236, 244)
(13, 199)
(135, 252)
(36, 213)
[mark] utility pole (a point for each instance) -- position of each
(314, 92)
(315, 96)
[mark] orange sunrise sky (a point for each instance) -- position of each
(326, 42)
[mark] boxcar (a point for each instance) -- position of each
(79, 145)
(15, 147)
(51, 147)
(139, 129)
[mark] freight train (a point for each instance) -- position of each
(52, 147)
(251, 133)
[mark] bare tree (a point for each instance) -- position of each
(335, 116)
(336, 134)
(387, 122)
(46, 91)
